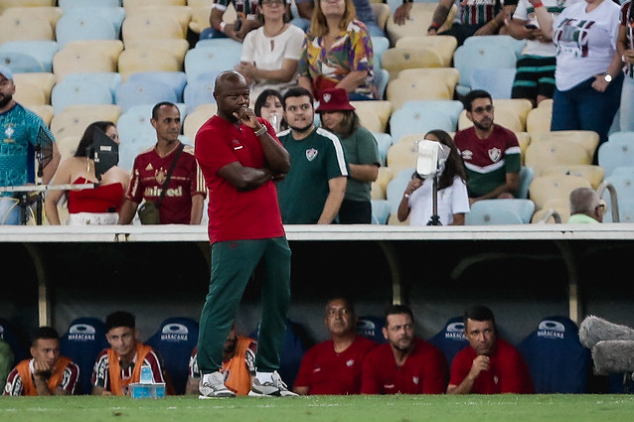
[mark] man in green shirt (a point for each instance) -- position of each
(585, 207)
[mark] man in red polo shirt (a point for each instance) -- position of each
(334, 366)
(405, 364)
(489, 365)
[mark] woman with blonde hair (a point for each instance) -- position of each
(337, 52)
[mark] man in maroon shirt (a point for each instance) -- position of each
(489, 365)
(334, 366)
(405, 364)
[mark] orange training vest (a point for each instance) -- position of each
(239, 379)
(114, 369)
(53, 382)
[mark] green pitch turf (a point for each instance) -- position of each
(567, 408)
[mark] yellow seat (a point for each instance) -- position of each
(393, 221)
(383, 109)
(402, 155)
(539, 118)
(200, 19)
(554, 153)
(74, 119)
(396, 59)
(400, 91)
(420, 18)
(67, 145)
(524, 139)
(194, 120)
(30, 94)
(382, 12)
(560, 205)
(593, 174)
(45, 112)
(449, 75)
(109, 48)
(385, 175)
(176, 47)
(519, 107)
(82, 57)
(150, 26)
(444, 45)
(588, 139)
(182, 13)
(28, 85)
(134, 60)
(25, 28)
(201, 3)
(376, 192)
(503, 117)
(51, 14)
(7, 4)
(554, 186)
(129, 5)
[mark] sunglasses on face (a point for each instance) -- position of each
(480, 110)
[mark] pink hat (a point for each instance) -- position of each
(334, 99)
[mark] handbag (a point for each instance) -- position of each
(150, 211)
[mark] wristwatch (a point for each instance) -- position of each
(607, 77)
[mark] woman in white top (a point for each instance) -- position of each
(453, 199)
(588, 75)
(270, 54)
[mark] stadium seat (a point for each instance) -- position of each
(411, 120)
(29, 94)
(74, 119)
(524, 139)
(182, 13)
(175, 80)
(560, 206)
(621, 136)
(80, 92)
(384, 141)
(50, 13)
(396, 59)
(175, 341)
(27, 82)
(382, 109)
(25, 28)
(449, 76)
(381, 80)
(500, 211)
(443, 45)
(20, 62)
(110, 79)
(42, 51)
(150, 26)
(135, 4)
(400, 91)
(526, 177)
(195, 119)
(198, 92)
(588, 139)
(69, 4)
(114, 15)
(420, 18)
(45, 112)
(497, 82)
(379, 46)
(380, 211)
(371, 327)
(486, 56)
(84, 340)
(175, 47)
(222, 55)
(385, 175)
(14, 338)
(451, 339)
(110, 48)
(450, 108)
(539, 118)
(82, 58)
(130, 94)
(623, 183)
(382, 12)
(615, 153)
(554, 186)
(504, 41)
(76, 27)
(396, 187)
(67, 147)
(503, 117)
(376, 192)
(139, 59)
(593, 174)
(557, 361)
(555, 152)
(200, 18)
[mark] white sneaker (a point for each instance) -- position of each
(275, 387)
(213, 385)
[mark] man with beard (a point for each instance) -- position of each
(240, 158)
(238, 365)
(334, 366)
(489, 365)
(490, 152)
(19, 132)
(405, 364)
(312, 191)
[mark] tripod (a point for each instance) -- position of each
(434, 220)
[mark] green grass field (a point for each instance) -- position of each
(330, 408)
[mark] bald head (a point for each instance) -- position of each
(229, 78)
(585, 201)
(231, 92)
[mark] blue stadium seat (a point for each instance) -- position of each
(505, 41)
(110, 79)
(379, 45)
(451, 108)
(384, 141)
(15, 340)
(42, 51)
(69, 4)
(501, 211)
(526, 177)
(486, 56)
(451, 339)
(497, 82)
(622, 179)
(82, 92)
(20, 62)
(557, 361)
(175, 341)
(114, 15)
(217, 54)
(380, 211)
(82, 28)
(199, 91)
(381, 79)
(83, 341)
(617, 152)
(411, 120)
(142, 92)
(395, 189)
(175, 80)
(372, 328)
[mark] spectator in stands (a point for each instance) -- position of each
(120, 365)
(319, 165)
(337, 52)
(585, 207)
(99, 205)
(184, 195)
(269, 106)
(625, 49)
(588, 77)
(535, 77)
(246, 20)
(334, 366)
(362, 154)
(475, 17)
(238, 365)
(363, 10)
(6, 361)
(21, 130)
(270, 54)
(240, 158)
(490, 152)
(47, 373)
(405, 364)
(489, 365)
(453, 199)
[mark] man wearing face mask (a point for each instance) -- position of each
(491, 153)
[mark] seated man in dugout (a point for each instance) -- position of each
(489, 365)
(334, 366)
(46, 373)
(238, 365)
(120, 365)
